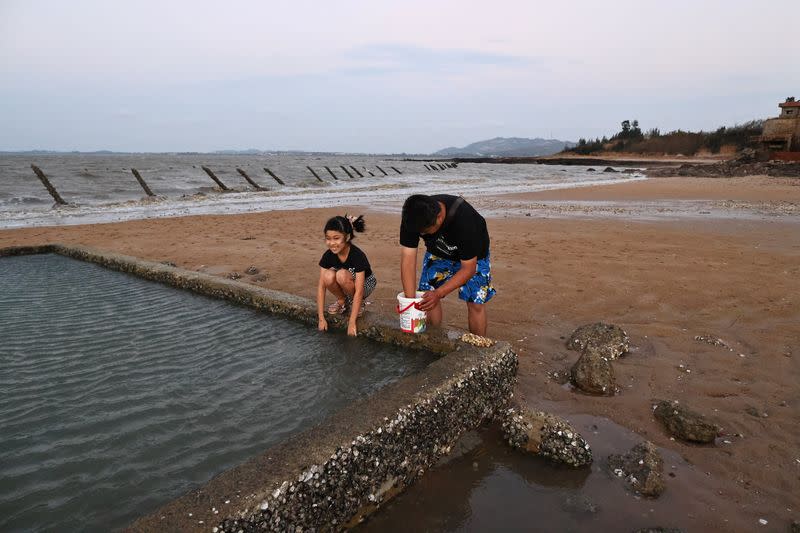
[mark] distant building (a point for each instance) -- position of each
(780, 138)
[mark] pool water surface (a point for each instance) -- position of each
(120, 394)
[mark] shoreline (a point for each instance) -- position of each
(664, 281)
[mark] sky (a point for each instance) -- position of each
(381, 77)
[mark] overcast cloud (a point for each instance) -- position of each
(373, 76)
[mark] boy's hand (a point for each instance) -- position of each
(429, 300)
(351, 329)
(323, 325)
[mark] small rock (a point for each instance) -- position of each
(251, 270)
(712, 340)
(477, 340)
(609, 169)
(612, 340)
(643, 469)
(684, 423)
(234, 275)
(593, 373)
(752, 411)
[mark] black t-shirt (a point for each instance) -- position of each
(464, 237)
(356, 259)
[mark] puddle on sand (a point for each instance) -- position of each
(484, 485)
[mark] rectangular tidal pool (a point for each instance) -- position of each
(119, 394)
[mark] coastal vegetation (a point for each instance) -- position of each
(632, 139)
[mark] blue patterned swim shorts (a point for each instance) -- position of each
(436, 271)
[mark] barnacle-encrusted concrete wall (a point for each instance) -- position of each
(332, 475)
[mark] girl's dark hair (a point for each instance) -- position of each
(346, 224)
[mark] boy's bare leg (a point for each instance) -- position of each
(476, 316)
(434, 316)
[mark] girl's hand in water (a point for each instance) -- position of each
(351, 330)
(323, 325)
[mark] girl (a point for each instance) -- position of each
(344, 271)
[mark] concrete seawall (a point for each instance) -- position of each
(333, 475)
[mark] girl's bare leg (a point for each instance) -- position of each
(329, 278)
(344, 280)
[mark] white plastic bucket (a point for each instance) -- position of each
(412, 320)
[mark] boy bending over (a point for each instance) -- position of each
(456, 256)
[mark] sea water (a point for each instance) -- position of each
(102, 188)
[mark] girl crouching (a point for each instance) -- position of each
(344, 271)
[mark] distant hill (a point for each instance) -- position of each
(507, 147)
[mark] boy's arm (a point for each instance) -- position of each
(408, 271)
(358, 300)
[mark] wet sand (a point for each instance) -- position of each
(664, 281)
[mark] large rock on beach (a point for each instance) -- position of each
(546, 435)
(642, 467)
(684, 423)
(593, 373)
(610, 339)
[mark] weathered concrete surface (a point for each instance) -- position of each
(332, 475)
(338, 472)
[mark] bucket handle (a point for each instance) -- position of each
(409, 306)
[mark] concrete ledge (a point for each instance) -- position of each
(331, 476)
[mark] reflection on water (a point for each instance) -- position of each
(487, 486)
(120, 394)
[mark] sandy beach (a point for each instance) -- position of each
(733, 275)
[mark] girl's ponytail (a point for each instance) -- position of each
(358, 222)
(346, 224)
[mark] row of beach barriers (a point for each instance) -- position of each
(431, 167)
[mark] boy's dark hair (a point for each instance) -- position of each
(419, 212)
(346, 224)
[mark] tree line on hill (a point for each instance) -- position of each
(632, 139)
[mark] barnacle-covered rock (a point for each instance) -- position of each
(609, 339)
(684, 423)
(642, 468)
(546, 435)
(477, 340)
(593, 373)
